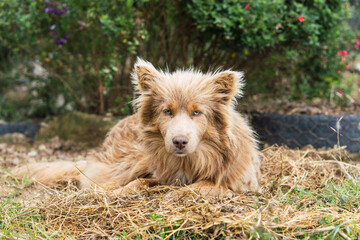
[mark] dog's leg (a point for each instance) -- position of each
(202, 188)
(206, 188)
(135, 186)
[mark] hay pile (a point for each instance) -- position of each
(295, 201)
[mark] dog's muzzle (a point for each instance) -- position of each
(180, 143)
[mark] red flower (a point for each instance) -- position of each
(347, 6)
(301, 18)
(357, 42)
(343, 54)
(347, 66)
(100, 89)
(338, 71)
(356, 46)
(247, 6)
(277, 26)
(341, 92)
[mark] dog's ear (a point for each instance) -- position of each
(144, 74)
(228, 85)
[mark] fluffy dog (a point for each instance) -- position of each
(185, 132)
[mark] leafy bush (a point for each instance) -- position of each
(83, 45)
(281, 44)
(88, 48)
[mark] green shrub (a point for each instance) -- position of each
(83, 45)
(88, 47)
(285, 46)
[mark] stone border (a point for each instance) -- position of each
(29, 129)
(320, 131)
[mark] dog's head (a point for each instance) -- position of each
(181, 109)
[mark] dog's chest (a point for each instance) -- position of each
(177, 178)
(181, 178)
(175, 172)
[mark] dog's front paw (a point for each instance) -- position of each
(179, 194)
(135, 186)
(213, 192)
(203, 192)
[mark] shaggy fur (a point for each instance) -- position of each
(185, 132)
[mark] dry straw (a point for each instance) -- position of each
(292, 203)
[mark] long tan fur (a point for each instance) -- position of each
(218, 146)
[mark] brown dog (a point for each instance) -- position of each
(185, 132)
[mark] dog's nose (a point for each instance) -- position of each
(180, 142)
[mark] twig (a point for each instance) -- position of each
(334, 161)
(178, 229)
(341, 233)
(97, 69)
(312, 231)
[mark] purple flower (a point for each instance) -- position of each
(52, 30)
(54, 11)
(50, 4)
(58, 41)
(65, 7)
(61, 41)
(52, 8)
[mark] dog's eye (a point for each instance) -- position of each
(168, 112)
(196, 113)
